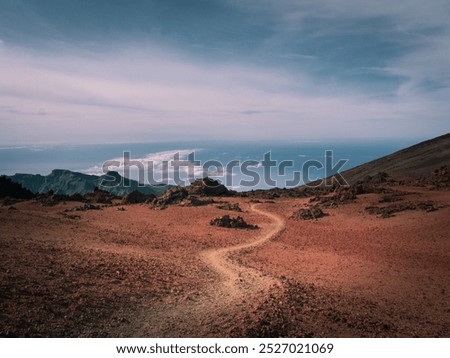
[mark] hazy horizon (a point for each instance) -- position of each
(155, 71)
(90, 159)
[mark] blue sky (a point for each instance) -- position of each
(134, 71)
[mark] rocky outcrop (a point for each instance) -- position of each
(87, 207)
(192, 195)
(439, 178)
(207, 187)
(312, 213)
(99, 196)
(233, 223)
(390, 210)
(136, 197)
(231, 207)
(346, 194)
(193, 200)
(172, 196)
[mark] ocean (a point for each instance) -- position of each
(239, 165)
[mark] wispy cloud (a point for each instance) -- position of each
(270, 70)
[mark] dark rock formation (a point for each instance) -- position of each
(234, 223)
(193, 200)
(390, 210)
(379, 178)
(207, 187)
(231, 207)
(86, 207)
(189, 196)
(10, 189)
(312, 213)
(174, 195)
(99, 196)
(136, 197)
(439, 178)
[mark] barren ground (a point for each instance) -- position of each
(143, 272)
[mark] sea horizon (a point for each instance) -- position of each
(89, 158)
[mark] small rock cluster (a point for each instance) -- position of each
(137, 197)
(230, 207)
(390, 210)
(196, 194)
(234, 223)
(312, 213)
(439, 178)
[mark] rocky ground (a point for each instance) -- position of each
(351, 263)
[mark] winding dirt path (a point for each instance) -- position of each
(233, 274)
(213, 311)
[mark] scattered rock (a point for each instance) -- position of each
(439, 178)
(303, 310)
(231, 207)
(192, 200)
(137, 197)
(346, 194)
(312, 213)
(274, 193)
(171, 196)
(86, 207)
(207, 187)
(71, 216)
(390, 198)
(9, 201)
(51, 199)
(380, 178)
(99, 196)
(390, 210)
(234, 223)
(48, 199)
(180, 196)
(75, 197)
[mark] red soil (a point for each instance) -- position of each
(143, 272)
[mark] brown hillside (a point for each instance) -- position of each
(409, 163)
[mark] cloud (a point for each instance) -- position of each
(410, 38)
(154, 165)
(409, 14)
(139, 96)
(321, 69)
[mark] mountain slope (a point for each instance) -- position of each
(68, 183)
(9, 188)
(409, 163)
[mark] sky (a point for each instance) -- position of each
(110, 71)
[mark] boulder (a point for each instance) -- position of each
(136, 197)
(174, 195)
(231, 207)
(99, 196)
(234, 223)
(192, 200)
(207, 187)
(312, 213)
